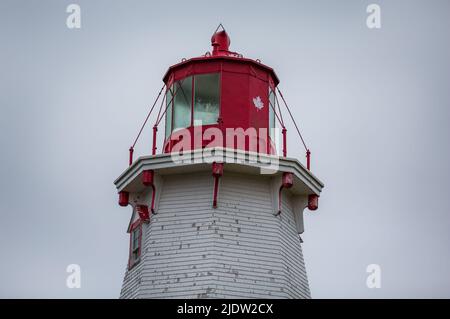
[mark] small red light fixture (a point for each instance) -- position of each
(124, 198)
(148, 177)
(313, 202)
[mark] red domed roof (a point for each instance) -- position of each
(220, 42)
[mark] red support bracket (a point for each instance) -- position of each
(143, 212)
(217, 172)
(148, 179)
(287, 181)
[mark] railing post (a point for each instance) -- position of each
(155, 129)
(308, 159)
(131, 156)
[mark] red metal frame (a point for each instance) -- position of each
(168, 105)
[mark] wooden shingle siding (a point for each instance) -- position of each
(131, 283)
(239, 250)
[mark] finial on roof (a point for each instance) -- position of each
(220, 41)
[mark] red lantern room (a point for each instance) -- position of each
(220, 90)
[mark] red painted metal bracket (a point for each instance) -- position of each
(143, 212)
(217, 172)
(148, 179)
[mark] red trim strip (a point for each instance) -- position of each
(148, 179)
(287, 181)
(217, 172)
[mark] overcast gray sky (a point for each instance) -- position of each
(373, 104)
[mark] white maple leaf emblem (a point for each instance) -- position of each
(258, 103)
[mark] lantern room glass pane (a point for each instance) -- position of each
(182, 103)
(169, 95)
(207, 98)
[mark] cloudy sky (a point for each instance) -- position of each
(373, 104)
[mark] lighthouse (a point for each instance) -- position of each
(216, 210)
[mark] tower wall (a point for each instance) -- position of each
(238, 250)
